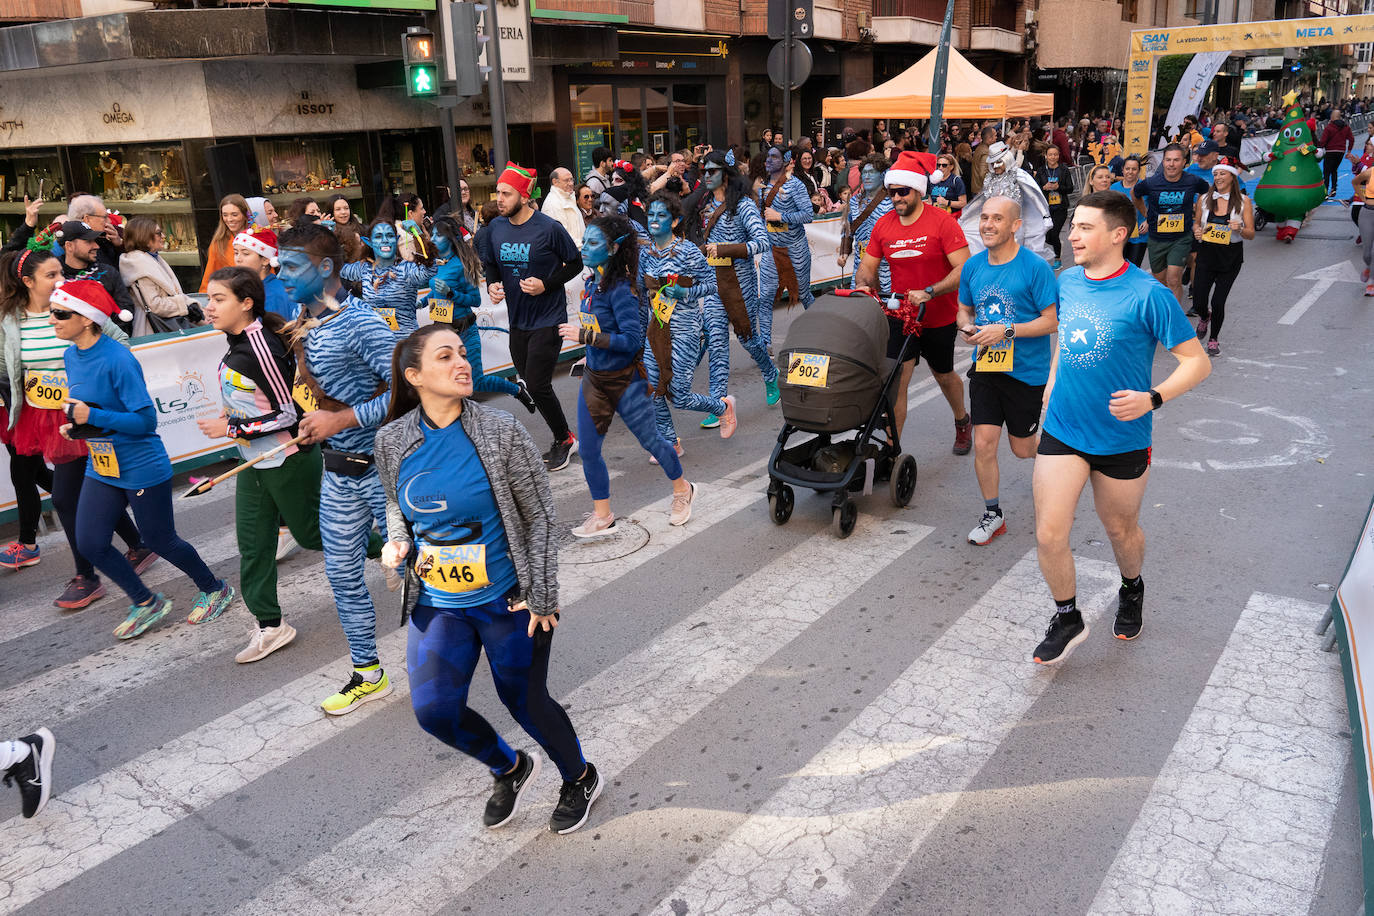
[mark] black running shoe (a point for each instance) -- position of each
(1130, 603)
(1065, 632)
(523, 395)
(34, 772)
(560, 453)
(510, 790)
(575, 802)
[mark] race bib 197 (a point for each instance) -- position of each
(1170, 222)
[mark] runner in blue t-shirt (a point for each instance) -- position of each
(1006, 307)
(1166, 200)
(1097, 426)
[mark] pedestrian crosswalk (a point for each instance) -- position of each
(1257, 765)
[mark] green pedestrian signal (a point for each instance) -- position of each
(422, 80)
(421, 62)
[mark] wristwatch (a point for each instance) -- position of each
(1010, 331)
(1156, 400)
(930, 291)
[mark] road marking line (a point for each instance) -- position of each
(1238, 818)
(128, 804)
(897, 768)
(620, 713)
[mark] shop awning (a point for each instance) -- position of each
(969, 93)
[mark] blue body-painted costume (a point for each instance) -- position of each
(794, 206)
(857, 203)
(393, 292)
(742, 227)
(682, 258)
(465, 299)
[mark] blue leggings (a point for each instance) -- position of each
(637, 410)
(685, 326)
(494, 384)
(441, 657)
(101, 507)
(349, 507)
(717, 344)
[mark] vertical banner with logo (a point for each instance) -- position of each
(1192, 88)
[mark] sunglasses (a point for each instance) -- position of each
(710, 170)
(900, 192)
(62, 314)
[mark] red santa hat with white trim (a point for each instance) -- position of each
(89, 299)
(261, 242)
(913, 170)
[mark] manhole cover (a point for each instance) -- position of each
(629, 537)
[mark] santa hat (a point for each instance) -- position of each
(259, 241)
(518, 177)
(88, 298)
(913, 170)
(1228, 164)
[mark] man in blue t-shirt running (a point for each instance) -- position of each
(1097, 424)
(1006, 309)
(1166, 201)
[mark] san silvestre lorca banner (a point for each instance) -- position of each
(1147, 45)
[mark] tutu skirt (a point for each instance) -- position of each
(36, 433)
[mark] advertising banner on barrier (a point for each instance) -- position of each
(1353, 613)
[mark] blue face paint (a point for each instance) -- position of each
(443, 248)
(303, 279)
(872, 178)
(773, 163)
(596, 251)
(660, 222)
(383, 240)
(714, 177)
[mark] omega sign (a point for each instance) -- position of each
(117, 115)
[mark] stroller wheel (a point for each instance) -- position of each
(780, 505)
(843, 517)
(903, 481)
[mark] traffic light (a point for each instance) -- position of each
(421, 63)
(469, 48)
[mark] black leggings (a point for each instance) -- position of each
(1057, 217)
(1331, 164)
(1135, 252)
(1215, 274)
(535, 354)
(28, 473)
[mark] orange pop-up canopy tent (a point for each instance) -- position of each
(969, 93)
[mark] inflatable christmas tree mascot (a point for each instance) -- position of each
(1292, 182)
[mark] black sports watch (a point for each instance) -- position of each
(1156, 400)
(930, 291)
(1010, 331)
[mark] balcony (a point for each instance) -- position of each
(929, 10)
(996, 14)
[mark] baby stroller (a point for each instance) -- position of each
(835, 378)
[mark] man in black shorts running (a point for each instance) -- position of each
(1097, 424)
(925, 248)
(1007, 296)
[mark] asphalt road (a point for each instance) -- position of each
(789, 723)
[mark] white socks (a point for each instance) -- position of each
(12, 752)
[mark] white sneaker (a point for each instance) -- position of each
(286, 544)
(991, 525)
(681, 510)
(595, 526)
(677, 447)
(264, 641)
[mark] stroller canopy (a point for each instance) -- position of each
(850, 326)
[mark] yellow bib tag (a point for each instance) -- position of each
(809, 369)
(589, 322)
(862, 249)
(777, 227)
(1053, 198)
(302, 395)
(1170, 222)
(454, 569)
(1217, 235)
(440, 310)
(103, 457)
(46, 389)
(663, 307)
(719, 262)
(388, 314)
(996, 357)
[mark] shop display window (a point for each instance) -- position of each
(30, 173)
(132, 173)
(308, 165)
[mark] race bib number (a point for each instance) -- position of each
(45, 389)
(302, 395)
(103, 458)
(388, 314)
(440, 310)
(1217, 235)
(1170, 222)
(996, 357)
(719, 262)
(862, 249)
(809, 369)
(1053, 198)
(454, 569)
(777, 227)
(589, 322)
(664, 308)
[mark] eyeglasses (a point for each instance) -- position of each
(900, 192)
(62, 314)
(159, 233)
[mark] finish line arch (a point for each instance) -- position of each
(1148, 45)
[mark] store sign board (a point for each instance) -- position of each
(371, 4)
(586, 138)
(1266, 62)
(513, 18)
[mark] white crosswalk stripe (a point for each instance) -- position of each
(1238, 819)
(619, 714)
(137, 800)
(834, 836)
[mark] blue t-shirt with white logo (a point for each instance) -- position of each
(1017, 291)
(1108, 331)
(1169, 199)
(446, 497)
(537, 248)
